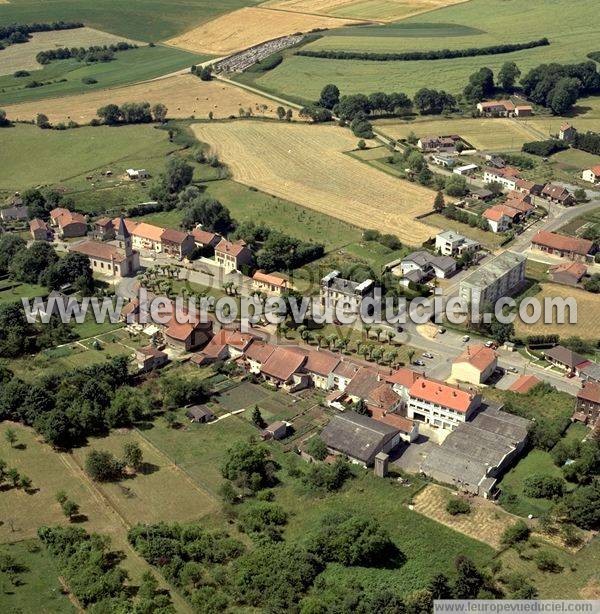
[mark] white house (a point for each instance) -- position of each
(591, 175)
(450, 243)
(467, 169)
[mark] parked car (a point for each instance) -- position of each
(419, 363)
(490, 344)
(512, 369)
(465, 338)
(427, 355)
(441, 330)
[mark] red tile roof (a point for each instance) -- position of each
(442, 394)
(37, 224)
(129, 224)
(147, 231)
(233, 249)
(524, 384)
(400, 422)
(555, 191)
(590, 392)
(596, 170)
(259, 351)
(205, 237)
(151, 351)
(101, 251)
(497, 212)
(346, 369)
(283, 363)
(479, 356)
(403, 377)
(575, 269)
(384, 397)
(507, 104)
(563, 243)
(174, 236)
(275, 280)
(321, 362)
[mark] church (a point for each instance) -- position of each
(114, 258)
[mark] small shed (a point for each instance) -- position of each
(199, 413)
(276, 430)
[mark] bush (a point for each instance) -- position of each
(457, 505)
(316, 448)
(518, 532)
(89, 80)
(269, 63)
(547, 561)
(543, 486)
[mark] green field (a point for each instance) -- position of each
(67, 157)
(11, 292)
(128, 66)
(147, 20)
(571, 27)
(38, 589)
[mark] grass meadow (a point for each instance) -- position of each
(67, 157)
(64, 77)
(147, 20)
(570, 27)
(39, 589)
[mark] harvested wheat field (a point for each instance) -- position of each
(485, 522)
(306, 164)
(247, 27)
(22, 57)
(587, 327)
(378, 10)
(183, 95)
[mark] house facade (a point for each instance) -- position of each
(591, 175)
(176, 243)
(507, 177)
(475, 365)
(39, 230)
(336, 290)
(440, 405)
(232, 256)
(450, 243)
(269, 283)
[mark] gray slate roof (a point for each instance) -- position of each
(358, 436)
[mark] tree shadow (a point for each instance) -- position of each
(148, 468)
(20, 446)
(79, 518)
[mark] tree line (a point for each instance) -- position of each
(544, 148)
(408, 56)
(131, 113)
(588, 141)
(20, 32)
(95, 53)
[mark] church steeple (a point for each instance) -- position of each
(124, 237)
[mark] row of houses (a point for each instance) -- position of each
(510, 178)
(563, 246)
(515, 210)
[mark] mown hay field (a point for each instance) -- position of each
(22, 57)
(587, 326)
(378, 10)
(248, 27)
(307, 165)
(572, 33)
(485, 522)
(484, 133)
(183, 95)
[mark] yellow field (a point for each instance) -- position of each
(306, 164)
(378, 10)
(22, 57)
(499, 134)
(588, 325)
(247, 27)
(184, 96)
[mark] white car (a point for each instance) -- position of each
(465, 338)
(427, 355)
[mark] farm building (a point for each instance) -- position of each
(558, 194)
(477, 453)
(149, 358)
(566, 359)
(199, 413)
(524, 384)
(564, 246)
(204, 238)
(567, 132)
(568, 273)
(135, 174)
(177, 243)
(14, 214)
(39, 230)
(359, 437)
(276, 430)
(69, 224)
(466, 169)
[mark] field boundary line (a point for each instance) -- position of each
(201, 489)
(255, 90)
(97, 494)
(354, 21)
